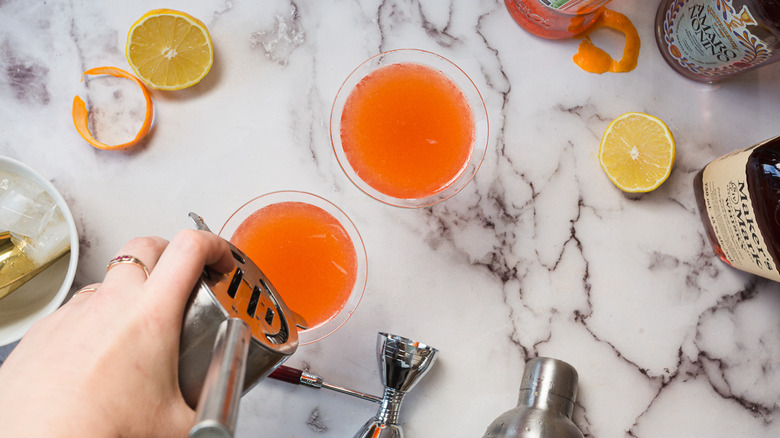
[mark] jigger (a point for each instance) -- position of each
(402, 363)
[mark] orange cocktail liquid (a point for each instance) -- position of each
(407, 130)
(306, 253)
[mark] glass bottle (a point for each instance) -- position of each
(712, 40)
(547, 394)
(738, 196)
(555, 19)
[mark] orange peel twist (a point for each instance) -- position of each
(594, 60)
(80, 114)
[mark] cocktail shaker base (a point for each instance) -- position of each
(547, 394)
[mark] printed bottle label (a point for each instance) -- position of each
(731, 215)
(574, 6)
(710, 37)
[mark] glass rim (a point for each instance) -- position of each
(337, 320)
(464, 83)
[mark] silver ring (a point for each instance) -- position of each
(127, 259)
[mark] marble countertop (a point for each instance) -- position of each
(539, 256)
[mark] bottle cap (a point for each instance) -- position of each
(544, 376)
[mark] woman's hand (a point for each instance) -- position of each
(106, 363)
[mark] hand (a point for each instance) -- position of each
(106, 363)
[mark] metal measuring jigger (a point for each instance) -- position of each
(236, 330)
(402, 363)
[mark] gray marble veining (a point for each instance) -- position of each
(539, 255)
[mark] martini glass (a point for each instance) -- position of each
(310, 251)
(409, 128)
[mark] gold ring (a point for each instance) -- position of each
(85, 289)
(127, 259)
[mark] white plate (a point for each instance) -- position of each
(46, 291)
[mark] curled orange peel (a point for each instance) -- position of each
(80, 114)
(595, 60)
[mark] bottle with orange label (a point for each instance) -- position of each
(738, 196)
(555, 19)
(713, 40)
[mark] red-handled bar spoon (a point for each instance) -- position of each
(300, 377)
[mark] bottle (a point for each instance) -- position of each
(555, 19)
(738, 196)
(547, 394)
(712, 40)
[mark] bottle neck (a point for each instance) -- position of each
(546, 401)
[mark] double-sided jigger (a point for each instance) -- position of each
(402, 363)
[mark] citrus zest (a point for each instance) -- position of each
(594, 60)
(637, 152)
(169, 50)
(80, 114)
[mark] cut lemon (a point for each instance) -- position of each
(637, 152)
(169, 50)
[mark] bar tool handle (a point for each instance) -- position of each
(218, 405)
(287, 374)
(300, 377)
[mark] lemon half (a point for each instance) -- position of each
(637, 152)
(169, 50)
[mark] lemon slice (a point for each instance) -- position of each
(169, 50)
(637, 152)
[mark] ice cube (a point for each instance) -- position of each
(50, 244)
(25, 208)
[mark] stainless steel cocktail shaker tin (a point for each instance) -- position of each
(547, 394)
(245, 294)
(236, 330)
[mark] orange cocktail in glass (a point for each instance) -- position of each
(409, 128)
(309, 250)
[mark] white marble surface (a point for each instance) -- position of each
(540, 255)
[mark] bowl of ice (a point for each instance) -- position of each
(39, 249)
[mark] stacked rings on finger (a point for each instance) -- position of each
(127, 259)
